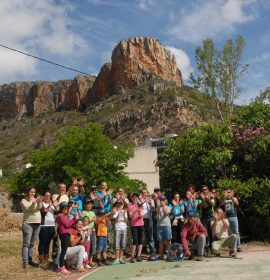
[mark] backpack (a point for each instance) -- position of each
(175, 253)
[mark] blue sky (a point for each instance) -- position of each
(82, 33)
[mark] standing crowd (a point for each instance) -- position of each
(80, 226)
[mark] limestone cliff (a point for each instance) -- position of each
(134, 62)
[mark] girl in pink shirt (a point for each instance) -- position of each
(135, 211)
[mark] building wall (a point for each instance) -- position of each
(142, 167)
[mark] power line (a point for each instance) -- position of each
(44, 60)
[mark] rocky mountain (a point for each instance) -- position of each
(134, 62)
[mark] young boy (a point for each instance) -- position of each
(88, 204)
(120, 221)
(102, 232)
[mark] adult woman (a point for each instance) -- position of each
(31, 206)
(177, 210)
(135, 211)
(47, 227)
(76, 251)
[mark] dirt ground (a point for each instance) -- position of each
(255, 263)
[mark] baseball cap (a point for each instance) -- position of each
(162, 197)
(191, 214)
(156, 189)
(62, 205)
(93, 187)
(88, 200)
(119, 201)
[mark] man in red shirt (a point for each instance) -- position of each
(194, 232)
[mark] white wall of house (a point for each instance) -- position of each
(142, 167)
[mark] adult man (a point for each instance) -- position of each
(207, 204)
(121, 195)
(106, 195)
(195, 233)
(148, 206)
(220, 227)
(230, 204)
(61, 196)
(98, 205)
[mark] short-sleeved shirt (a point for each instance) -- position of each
(136, 219)
(191, 207)
(162, 219)
(106, 198)
(221, 231)
(102, 227)
(177, 210)
(120, 224)
(91, 215)
(230, 208)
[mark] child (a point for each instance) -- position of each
(64, 227)
(120, 221)
(164, 231)
(102, 232)
(88, 231)
(88, 204)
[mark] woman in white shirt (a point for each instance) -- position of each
(47, 228)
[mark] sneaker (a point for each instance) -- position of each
(152, 258)
(116, 261)
(80, 269)
(199, 258)
(63, 270)
(105, 262)
(99, 263)
(24, 265)
(233, 254)
(139, 259)
(33, 264)
(132, 260)
(160, 258)
(121, 261)
(87, 267)
(239, 250)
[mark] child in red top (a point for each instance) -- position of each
(102, 232)
(64, 226)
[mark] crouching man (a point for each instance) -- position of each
(194, 232)
(220, 226)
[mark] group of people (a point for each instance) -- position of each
(80, 225)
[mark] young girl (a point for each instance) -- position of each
(88, 204)
(120, 224)
(64, 227)
(47, 227)
(135, 210)
(88, 231)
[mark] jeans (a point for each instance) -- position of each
(199, 245)
(64, 246)
(101, 244)
(30, 234)
(234, 229)
(206, 221)
(75, 255)
(148, 231)
(46, 234)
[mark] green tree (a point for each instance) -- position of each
(219, 72)
(80, 152)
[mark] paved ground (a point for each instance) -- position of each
(250, 265)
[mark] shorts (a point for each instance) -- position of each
(120, 239)
(137, 235)
(164, 233)
(101, 244)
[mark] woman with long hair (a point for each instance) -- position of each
(31, 206)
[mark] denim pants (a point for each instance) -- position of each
(148, 231)
(30, 234)
(46, 234)
(234, 229)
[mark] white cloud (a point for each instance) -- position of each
(36, 27)
(182, 60)
(145, 4)
(210, 18)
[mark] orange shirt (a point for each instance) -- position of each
(102, 227)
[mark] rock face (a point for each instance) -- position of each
(34, 98)
(134, 62)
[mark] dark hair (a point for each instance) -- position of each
(29, 189)
(192, 187)
(86, 217)
(48, 192)
(204, 186)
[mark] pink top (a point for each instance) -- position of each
(64, 223)
(134, 213)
